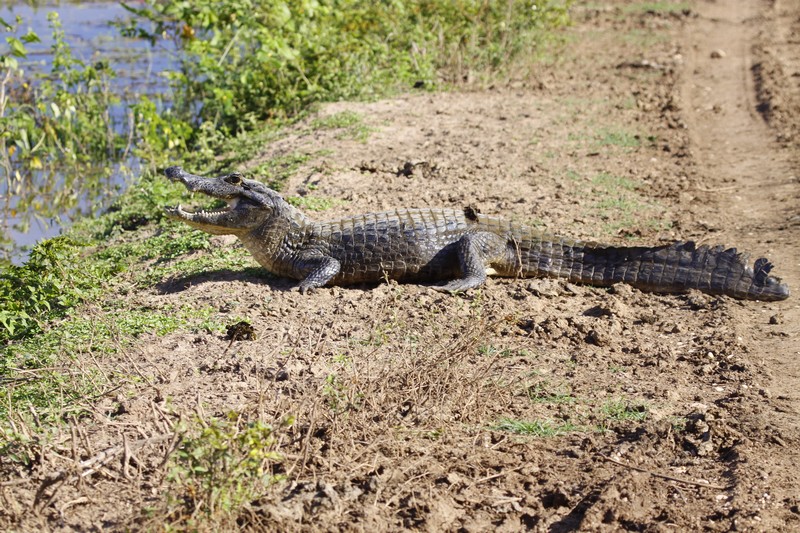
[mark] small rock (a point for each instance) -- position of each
(371, 484)
(672, 395)
(775, 319)
(241, 331)
(598, 338)
(556, 498)
(621, 289)
(718, 53)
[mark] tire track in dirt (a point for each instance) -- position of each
(740, 164)
(752, 178)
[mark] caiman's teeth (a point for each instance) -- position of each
(194, 212)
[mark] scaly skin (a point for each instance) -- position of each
(457, 246)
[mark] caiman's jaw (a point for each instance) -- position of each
(249, 203)
(211, 221)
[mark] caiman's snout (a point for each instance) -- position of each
(248, 202)
(174, 173)
(190, 181)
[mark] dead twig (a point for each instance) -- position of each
(664, 476)
(86, 468)
(14, 482)
(177, 438)
(77, 501)
(716, 189)
(127, 457)
(518, 274)
(495, 476)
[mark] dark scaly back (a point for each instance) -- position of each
(404, 244)
(671, 268)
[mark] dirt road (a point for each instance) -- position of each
(530, 403)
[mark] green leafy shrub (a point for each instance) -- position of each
(218, 468)
(53, 280)
(246, 60)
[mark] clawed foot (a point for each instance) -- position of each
(459, 285)
(304, 287)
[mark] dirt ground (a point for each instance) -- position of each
(668, 412)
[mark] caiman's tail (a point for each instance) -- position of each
(674, 268)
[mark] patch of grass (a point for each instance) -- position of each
(343, 359)
(141, 204)
(216, 259)
(359, 133)
(618, 203)
(311, 203)
(350, 122)
(621, 409)
(621, 138)
(629, 102)
(181, 240)
(275, 172)
(39, 370)
(611, 183)
(380, 334)
(543, 392)
(678, 423)
(605, 137)
(434, 435)
(226, 153)
(342, 119)
(535, 428)
(339, 397)
(665, 7)
(17, 446)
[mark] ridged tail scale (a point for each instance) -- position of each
(672, 268)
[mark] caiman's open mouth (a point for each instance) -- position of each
(194, 212)
(249, 202)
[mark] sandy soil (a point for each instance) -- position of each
(673, 412)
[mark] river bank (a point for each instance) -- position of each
(527, 404)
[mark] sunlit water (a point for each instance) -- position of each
(91, 36)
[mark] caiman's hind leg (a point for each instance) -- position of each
(475, 253)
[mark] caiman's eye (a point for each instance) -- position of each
(234, 179)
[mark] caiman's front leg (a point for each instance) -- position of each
(321, 269)
(475, 250)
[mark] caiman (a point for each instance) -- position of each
(458, 246)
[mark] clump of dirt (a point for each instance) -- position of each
(527, 404)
